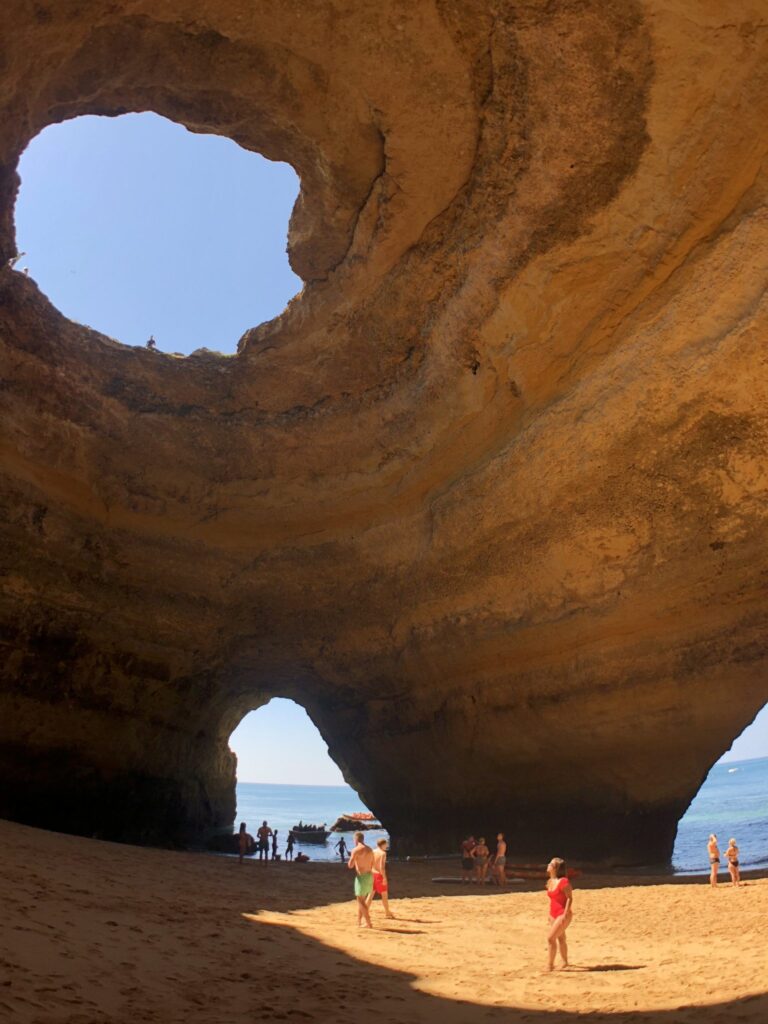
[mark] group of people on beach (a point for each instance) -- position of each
(265, 837)
(731, 856)
(370, 867)
(561, 894)
(477, 860)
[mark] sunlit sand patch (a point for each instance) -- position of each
(632, 948)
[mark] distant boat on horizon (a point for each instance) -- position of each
(732, 770)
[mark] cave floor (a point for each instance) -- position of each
(94, 932)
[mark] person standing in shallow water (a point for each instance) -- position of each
(560, 910)
(274, 845)
(263, 836)
(361, 862)
(341, 846)
(732, 856)
(289, 846)
(713, 852)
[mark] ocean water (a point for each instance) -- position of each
(732, 802)
(284, 806)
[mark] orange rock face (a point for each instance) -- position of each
(488, 499)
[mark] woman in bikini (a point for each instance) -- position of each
(714, 859)
(560, 910)
(732, 856)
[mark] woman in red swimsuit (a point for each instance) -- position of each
(560, 909)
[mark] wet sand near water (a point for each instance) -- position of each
(96, 933)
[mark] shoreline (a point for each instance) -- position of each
(641, 875)
(658, 872)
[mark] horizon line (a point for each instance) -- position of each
(740, 760)
(315, 785)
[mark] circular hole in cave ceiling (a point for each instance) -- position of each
(135, 226)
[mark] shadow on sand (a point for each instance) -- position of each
(584, 968)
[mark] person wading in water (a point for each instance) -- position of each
(263, 835)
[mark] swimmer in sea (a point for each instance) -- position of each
(560, 910)
(713, 853)
(361, 862)
(480, 856)
(732, 856)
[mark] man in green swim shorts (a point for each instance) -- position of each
(361, 862)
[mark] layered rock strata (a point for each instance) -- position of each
(488, 499)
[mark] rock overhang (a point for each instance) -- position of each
(460, 499)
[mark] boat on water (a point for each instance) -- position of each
(310, 833)
(360, 820)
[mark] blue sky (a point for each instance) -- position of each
(135, 226)
(279, 743)
(753, 742)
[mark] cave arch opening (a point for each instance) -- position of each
(139, 228)
(286, 776)
(732, 801)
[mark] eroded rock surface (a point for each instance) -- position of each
(489, 498)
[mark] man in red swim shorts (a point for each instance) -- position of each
(380, 881)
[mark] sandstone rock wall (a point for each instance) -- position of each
(489, 498)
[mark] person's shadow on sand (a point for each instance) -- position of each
(582, 968)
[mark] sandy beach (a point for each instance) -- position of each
(95, 933)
